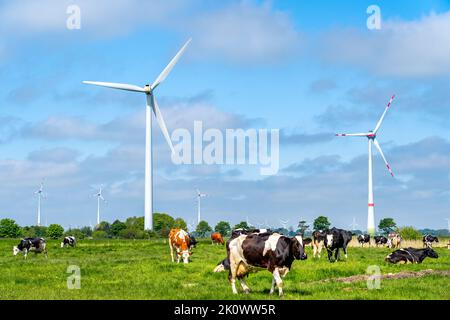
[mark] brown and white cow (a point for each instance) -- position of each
(179, 240)
(394, 241)
(318, 242)
(271, 251)
(216, 237)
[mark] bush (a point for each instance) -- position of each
(9, 229)
(99, 234)
(34, 232)
(223, 227)
(55, 231)
(409, 233)
(162, 223)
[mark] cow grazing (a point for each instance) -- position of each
(318, 241)
(364, 238)
(394, 241)
(179, 240)
(380, 240)
(216, 237)
(69, 241)
(36, 245)
(428, 240)
(410, 255)
(270, 251)
(336, 239)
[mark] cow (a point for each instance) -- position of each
(394, 241)
(411, 255)
(225, 263)
(216, 237)
(179, 240)
(380, 240)
(307, 242)
(448, 244)
(363, 238)
(69, 241)
(271, 251)
(318, 241)
(192, 242)
(336, 239)
(36, 245)
(428, 240)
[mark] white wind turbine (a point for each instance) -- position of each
(284, 223)
(151, 105)
(199, 196)
(371, 136)
(41, 195)
(99, 196)
(448, 224)
(354, 225)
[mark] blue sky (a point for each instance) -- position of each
(307, 68)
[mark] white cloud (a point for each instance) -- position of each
(401, 48)
(245, 32)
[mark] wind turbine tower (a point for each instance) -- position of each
(371, 137)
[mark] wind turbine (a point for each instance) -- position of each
(151, 105)
(99, 196)
(448, 224)
(284, 223)
(354, 225)
(199, 196)
(40, 194)
(371, 136)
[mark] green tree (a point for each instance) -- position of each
(242, 225)
(135, 223)
(116, 227)
(223, 227)
(410, 233)
(9, 229)
(103, 226)
(387, 225)
(87, 231)
(302, 227)
(55, 231)
(77, 233)
(162, 223)
(203, 228)
(180, 223)
(321, 223)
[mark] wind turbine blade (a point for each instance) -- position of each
(169, 67)
(382, 155)
(160, 120)
(352, 134)
(382, 116)
(101, 197)
(121, 86)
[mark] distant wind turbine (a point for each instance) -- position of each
(448, 224)
(199, 196)
(354, 225)
(99, 196)
(371, 136)
(284, 223)
(41, 195)
(152, 105)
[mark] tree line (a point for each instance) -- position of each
(133, 228)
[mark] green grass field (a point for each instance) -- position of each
(127, 269)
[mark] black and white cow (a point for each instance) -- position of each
(428, 240)
(380, 240)
(410, 255)
(192, 242)
(69, 241)
(36, 245)
(271, 251)
(363, 238)
(336, 239)
(225, 263)
(318, 241)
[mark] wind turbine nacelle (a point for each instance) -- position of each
(147, 89)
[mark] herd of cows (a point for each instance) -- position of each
(259, 249)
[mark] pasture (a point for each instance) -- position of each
(141, 269)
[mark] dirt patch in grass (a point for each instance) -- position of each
(400, 275)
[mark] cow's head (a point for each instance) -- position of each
(62, 244)
(16, 250)
(431, 253)
(297, 248)
(329, 239)
(185, 255)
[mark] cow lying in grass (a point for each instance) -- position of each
(410, 255)
(36, 245)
